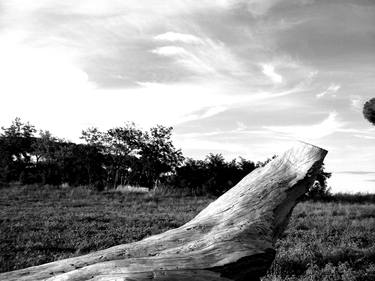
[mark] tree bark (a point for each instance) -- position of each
(231, 239)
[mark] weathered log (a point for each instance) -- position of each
(231, 239)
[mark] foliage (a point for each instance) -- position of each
(212, 175)
(15, 144)
(369, 110)
(160, 156)
(121, 155)
(358, 198)
(319, 190)
(134, 156)
(124, 155)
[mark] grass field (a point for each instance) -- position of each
(324, 241)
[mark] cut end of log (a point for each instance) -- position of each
(231, 239)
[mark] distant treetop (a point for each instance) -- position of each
(369, 110)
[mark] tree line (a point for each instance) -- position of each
(124, 155)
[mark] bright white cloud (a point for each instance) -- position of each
(171, 51)
(178, 37)
(269, 71)
(29, 71)
(43, 86)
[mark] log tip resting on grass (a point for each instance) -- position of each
(231, 239)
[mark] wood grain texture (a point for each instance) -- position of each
(231, 239)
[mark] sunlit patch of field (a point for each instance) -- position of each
(324, 241)
(327, 241)
(42, 224)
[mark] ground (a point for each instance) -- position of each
(324, 241)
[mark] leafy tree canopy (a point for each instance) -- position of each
(369, 110)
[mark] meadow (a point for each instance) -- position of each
(323, 241)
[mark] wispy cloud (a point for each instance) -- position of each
(205, 113)
(357, 172)
(209, 56)
(362, 133)
(327, 127)
(186, 59)
(365, 137)
(356, 102)
(331, 90)
(269, 71)
(260, 7)
(178, 37)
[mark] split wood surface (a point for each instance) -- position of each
(231, 239)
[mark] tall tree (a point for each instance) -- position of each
(93, 136)
(93, 156)
(319, 189)
(158, 154)
(42, 146)
(16, 144)
(122, 145)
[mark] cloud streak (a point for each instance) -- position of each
(178, 37)
(331, 90)
(325, 128)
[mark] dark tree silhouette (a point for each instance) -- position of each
(16, 142)
(369, 110)
(133, 156)
(159, 155)
(119, 156)
(212, 175)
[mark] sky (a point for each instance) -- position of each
(240, 78)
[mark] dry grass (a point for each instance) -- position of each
(324, 241)
(327, 241)
(42, 224)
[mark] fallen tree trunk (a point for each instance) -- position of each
(231, 239)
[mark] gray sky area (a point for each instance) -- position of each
(241, 78)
